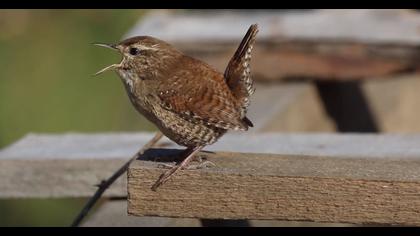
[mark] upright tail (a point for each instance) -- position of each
(238, 71)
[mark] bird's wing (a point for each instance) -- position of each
(238, 73)
(200, 94)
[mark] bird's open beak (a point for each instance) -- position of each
(107, 68)
(113, 66)
(111, 46)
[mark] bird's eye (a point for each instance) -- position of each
(134, 51)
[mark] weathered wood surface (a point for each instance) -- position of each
(283, 187)
(317, 44)
(69, 165)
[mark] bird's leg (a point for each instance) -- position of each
(166, 176)
(176, 158)
(202, 163)
(166, 166)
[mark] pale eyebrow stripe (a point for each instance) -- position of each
(153, 47)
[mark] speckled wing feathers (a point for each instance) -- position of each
(200, 95)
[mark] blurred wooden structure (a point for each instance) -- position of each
(315, 44)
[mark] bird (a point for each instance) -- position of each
(189, 101)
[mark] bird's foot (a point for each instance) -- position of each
(166, 166)
(201, 165)
(165, 176)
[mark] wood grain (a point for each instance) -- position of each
(283, 187)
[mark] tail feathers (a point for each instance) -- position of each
(238, 71)
(246, 42)
(244, 124)
(248, 122)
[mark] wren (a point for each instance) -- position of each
(189, 101)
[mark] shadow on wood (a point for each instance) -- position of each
(347, 105)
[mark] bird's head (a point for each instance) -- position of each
(142, 56)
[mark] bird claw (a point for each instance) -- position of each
(166, 166)
(201, 165)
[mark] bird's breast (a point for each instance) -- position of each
(128, 78)
(136, 91)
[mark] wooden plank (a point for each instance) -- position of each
(388, 26)
(69, 165)
(318, 44)
(99, 146)
(305, 60)
(58, 178)
(283, 187)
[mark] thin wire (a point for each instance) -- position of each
(106, 183)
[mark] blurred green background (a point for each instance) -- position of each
(46, 85)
